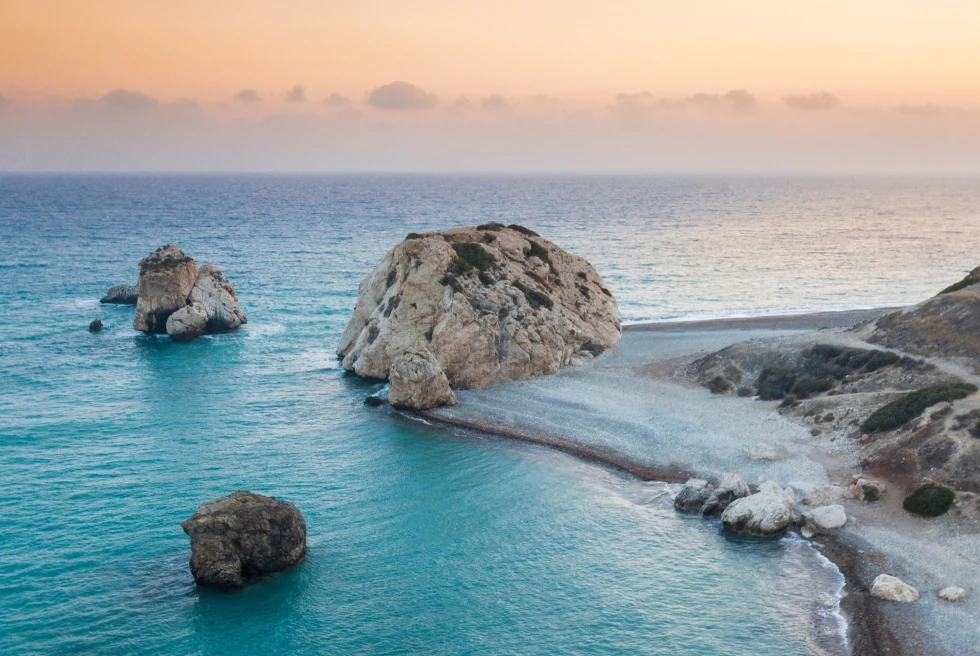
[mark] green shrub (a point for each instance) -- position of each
(975, 429)
(912, 405)
(719, 385)
(606, 292)
(489, 238)
(582, 275)
(413, 235)
(524, 231)
(459, 266)
(450, 280)
(584, 291)
(474, 255)
(971, 279)
(538, 251)
(807, 385)
(491, 225)
(881, 359)
(486, 278)
(534, 297)
(930, 500)
(392, 304)
(774, 384)
(538, 279)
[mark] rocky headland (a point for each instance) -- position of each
(470, 307)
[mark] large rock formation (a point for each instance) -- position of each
(170, 281)
(243, 535)
(121, 295)
(767, 512)
(490, 303)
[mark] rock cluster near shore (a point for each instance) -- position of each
(120, 295)
(243, 535)
(176, 297)
(476, 306)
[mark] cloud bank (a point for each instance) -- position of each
(296, 95)
(248, 96)
(814, 102)
(401, 95)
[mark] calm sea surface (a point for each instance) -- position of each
(421, 540)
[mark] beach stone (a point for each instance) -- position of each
(95, 326)
(491, 304)
(693, 495)
(766, 452)
(826, 518)
(166, 278)
(767, 512)
(418, 382)
(866, 489)
(952, 593)
(731, 487)
(187, 323)
(826, 494)
(120, 295)
(216, 295)
(893, 589)
(243, 535)
(807, 531)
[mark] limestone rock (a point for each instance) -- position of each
(187, 323)
(952, 593)
(826, 494)
(826, 518)
(166, 278)
(95, 326)
(693, 495)
(766, 452)
(767, 512)
(213, 291)
(243, 535)
(893, 589)
(120, 295)
(418, 383)
(732, 487)
(491, 304)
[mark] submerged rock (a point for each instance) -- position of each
(693, 495)
(120, 295)
(95, 326)
(732, 487)
(490, 303)
(243, 535)
(418, 383)
(216, 295)
(893, 588)
(187, 323)
(767, 512)
(166, 278)
(952, 593)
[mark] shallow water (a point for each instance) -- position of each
(421, 540)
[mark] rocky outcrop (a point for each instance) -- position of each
(187, 323)
(166, 278)
(693, 495)
(767, 512)
(490, 303)
(893, 589)
(217, 297)
(732, 487)
(169, 282)
(418, 383)
(121, 295)
(243, 535)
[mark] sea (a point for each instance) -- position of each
(421, 539)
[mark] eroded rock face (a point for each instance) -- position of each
(893, 589)
(418, 383)
(732, 487)
(243, 535)
(217, 297)
(166, 278)
(490, 303)
(121, 295)
(767, 512)
(187, 323)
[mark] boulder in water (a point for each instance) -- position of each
(418, 383)
(121, 295)
(243, 535)
(216, 295)
(693, 495)
(95, 326)
(767, 512)
(732, 487)
(187, 323)
(166, 279)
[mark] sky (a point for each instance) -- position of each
(511, 86)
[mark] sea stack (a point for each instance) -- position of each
(171, 282)
(241, 536)
(488, 304)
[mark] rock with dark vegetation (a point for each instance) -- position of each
(930, 500)
(121, 295)
(95, 326)
(241, 536)
(912, 405)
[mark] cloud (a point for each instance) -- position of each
(128, 100)
(296, 95)
(336, 100)
(401, 95)
(543, 100)
(495, 103)
(248, 96)
(738, 99)
(814, 102)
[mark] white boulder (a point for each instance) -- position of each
(767, 512)
(952, 593)
(894, 589)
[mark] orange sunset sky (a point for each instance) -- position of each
(709, 85)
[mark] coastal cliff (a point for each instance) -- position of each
(488, 304)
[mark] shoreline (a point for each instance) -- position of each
(804, 321)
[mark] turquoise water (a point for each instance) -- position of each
(421, 540)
